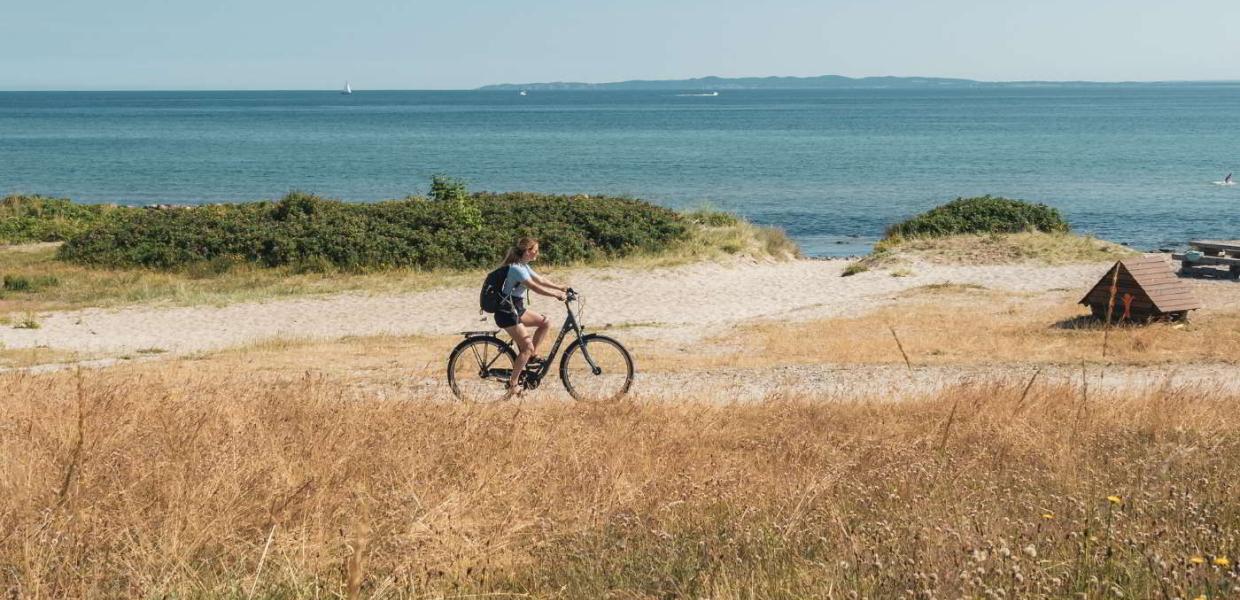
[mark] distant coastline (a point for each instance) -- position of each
(713, 83)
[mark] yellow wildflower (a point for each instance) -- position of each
(1197, 560)
(1114, 499)
(1048, 516)
(1222, 561)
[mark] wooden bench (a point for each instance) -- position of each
(1214, 253)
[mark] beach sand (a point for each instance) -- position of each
(675, 304)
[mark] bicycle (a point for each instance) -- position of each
(594, 368)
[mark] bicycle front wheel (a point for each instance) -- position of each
(596, 368)
(479, 368)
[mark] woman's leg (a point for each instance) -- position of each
(541, 324)
(525, 348)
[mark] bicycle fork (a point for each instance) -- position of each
(585, 351)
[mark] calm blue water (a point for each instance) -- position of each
(831, 167)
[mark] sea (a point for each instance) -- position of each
(1139, 164)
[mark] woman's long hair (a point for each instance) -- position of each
(517, 251)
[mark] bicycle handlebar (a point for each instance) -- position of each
(570, 294)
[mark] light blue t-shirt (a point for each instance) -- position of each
(518, 274)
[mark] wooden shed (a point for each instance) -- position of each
(1146, 289)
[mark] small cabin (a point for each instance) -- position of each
(1147, 289)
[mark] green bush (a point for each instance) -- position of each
(463, 207)
(981, 215)
(25, 219)
(22, 283)
(853, 269)
(311, 233)
(713, 218)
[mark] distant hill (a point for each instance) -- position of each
(811, 83)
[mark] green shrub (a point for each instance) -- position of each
(315, 234)
(21, 283)
(713, 218)
(26, 219)
(460, 205)
(853, 269)
(981, 215)
(447, 189)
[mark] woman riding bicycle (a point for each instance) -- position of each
(513, 317)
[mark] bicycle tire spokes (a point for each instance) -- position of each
(481, 357)
(479, 368)
(603, 375)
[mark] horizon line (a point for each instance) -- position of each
(653, 81)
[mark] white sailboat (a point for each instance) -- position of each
(347, 90)
(522, 92)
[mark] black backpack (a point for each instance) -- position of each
(492, 297)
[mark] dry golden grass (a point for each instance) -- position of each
(16, 358)
(966, 325)
(992, 249)
(179, 480)
(1046, 248)
(389, 361)
(79, 286)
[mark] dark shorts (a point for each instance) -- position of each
(506, 317)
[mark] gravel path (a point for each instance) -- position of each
(674, 303)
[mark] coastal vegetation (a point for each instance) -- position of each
(980, 215)
(186, 479)
(26, 219)
(304, 244)
(455, 231)
(986, 230)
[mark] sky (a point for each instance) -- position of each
(417, 44)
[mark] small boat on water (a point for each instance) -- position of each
(347, 90)
(522, 92)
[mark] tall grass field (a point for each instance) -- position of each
(179, 482)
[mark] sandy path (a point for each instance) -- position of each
(677, 304)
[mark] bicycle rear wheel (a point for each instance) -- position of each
(604, 376)
(479, 368)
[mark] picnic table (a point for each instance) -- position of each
(1210, 255)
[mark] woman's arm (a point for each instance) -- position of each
(543, 281)
(543, 289)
